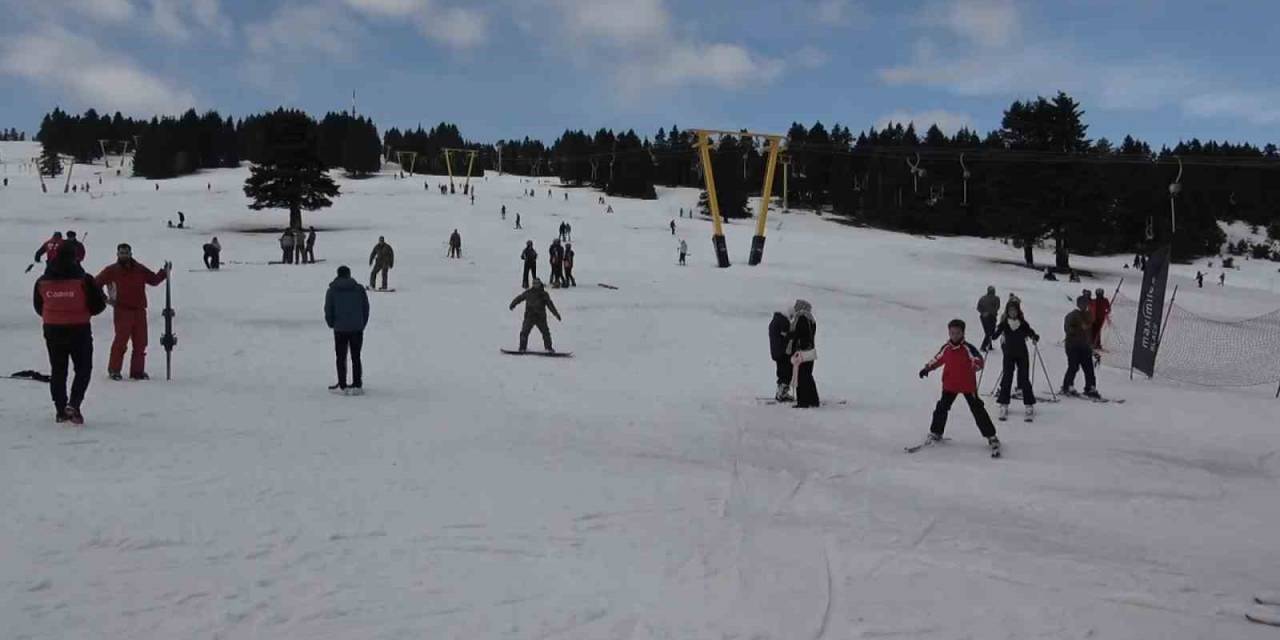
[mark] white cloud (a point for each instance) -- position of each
(625, 21)
(987, 23)
(296, 29)
(387, 8)
(178, 19)
(1259, 108)
(834, 12)
(115, 11)
(947, 121)
(95, 76)
(722, 65)
(456, 27)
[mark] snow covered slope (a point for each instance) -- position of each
(637, 491)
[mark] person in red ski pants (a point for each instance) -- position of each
(129, 279)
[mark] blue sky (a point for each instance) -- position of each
(1159, 69)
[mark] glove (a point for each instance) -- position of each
(924, 373)
(1035, 339)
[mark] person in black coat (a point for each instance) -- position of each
(779, 337)
(803, 354)
(1013, 333)
(530, 258)
(346, 311)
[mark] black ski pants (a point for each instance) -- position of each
(530, 271)
(976, 407)
(74, 344)
(569, 280)
(344, 342)
(529, 323)
(1079, 357)
(783, 367)
(373, 275)
(806, 387)
(1019, 363)
(988, 328)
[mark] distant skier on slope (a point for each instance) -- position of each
(346, 311)
(1076, 326)
(213, 255)
(286, 247)
(556, 257)
(309, 253)
(1099, 311)
(536, 304)
(1013, 333)
(66, 298)
(455, 244)
(530, 258)
(960, 362)
(779, 342)
(673, 227)
(569, 255)
(382, 259)
(683, 251)
(988, 309)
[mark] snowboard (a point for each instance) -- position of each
(1263, 615)
(545, 354)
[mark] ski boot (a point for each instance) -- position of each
(1004, 412)
(115, 375)
(1092, 394)
(783, 394)
(60, 416)
(139, 376)
(73, 414)
(1068, 391)
(1031, 413)
(994, 443)
(338, 388)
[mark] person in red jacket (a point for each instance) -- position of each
(49, 250)
(130, 279)
(1099, 310)
(65, 297)
(960, 362)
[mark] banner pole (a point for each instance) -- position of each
(1163, 327)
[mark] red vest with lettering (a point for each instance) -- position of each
(65, 302)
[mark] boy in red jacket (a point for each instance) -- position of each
(960, 362)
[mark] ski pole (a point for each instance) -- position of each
(30, 267)
(1046, 373)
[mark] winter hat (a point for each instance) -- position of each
(344, 271)
(803, 306)
(991, 290)
(1099, 292)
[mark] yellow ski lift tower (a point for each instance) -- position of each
(717, 233)
(448, 163)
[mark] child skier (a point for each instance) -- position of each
(1013, 333)
(960, 361)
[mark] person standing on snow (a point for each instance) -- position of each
(1199, 280)
(65, 297)
(299, 246)
(1013, 333)
(530, 257)
(213, 255)
(988, 309)
(779, 341)
(309, 253)
(1085, 298)
(382, 259)
(803, 354)
(455, 244)
(673, 227)
(1099, 311)
(536, 304)
(346, 311)
(49, 250)
(556, 257)
(286, 247)
(1076, 326)
(569, 280)
(518, 222)
(683, 250)
(129, 279)
(960, 362)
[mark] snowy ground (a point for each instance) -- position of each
(637, 491)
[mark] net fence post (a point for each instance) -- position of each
(1164, 326)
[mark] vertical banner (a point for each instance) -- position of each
(1146, 335)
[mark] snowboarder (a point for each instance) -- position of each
(803, 353)
(1099, 311)
(779, 340)
(683, 250)
(309, 253)
(960, 362)
(286, 247)
(455, 244)
(569, 280)
(65, 297)
(555, 254)
(129, 279)
(1013, 332)
(988, 310)
(346, 311)
(1048, 275)
(530, 257)
(1199, 280)
(536, 304)
(382, 259)
(213, 254)
(1076, 326)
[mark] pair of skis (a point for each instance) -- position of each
(1267, 610)
(931, 441)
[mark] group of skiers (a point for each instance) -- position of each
(562, 259)
(298, 246)
(66, 298)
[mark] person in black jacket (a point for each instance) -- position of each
(346, 311)
(530, 257)
(66, 298)
(779, 337)
(537, 302)
(1013, 333)
(803, 353)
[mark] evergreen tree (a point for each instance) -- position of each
(361, 151)
(731, 189)
(292, 176)
(50, 163)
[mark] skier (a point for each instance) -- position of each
(779, 339)
(1085, 298)
(569, 281)
(346, 311)
(560, 232)
(555, 254)
(182, 218)
(65, 297)
(1079, 352)
(286, 247)
(299, 246)
(1048, 275)
(536, 304)
(530, 257)
(1222, 279)
(309, 251)
(504, 212)
(49, 250)
(683, 250)
(1099, 310)
(803, 353)
(988, 309)
(1013, 332)
(1199, 280)
(382, 259)
(568, 232)
(213, 254)
(673, 227)
(518, 222)
(129, 279)
(609, 209)
(455, 244)
(960, 362)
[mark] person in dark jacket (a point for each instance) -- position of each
(779, 340)
(960, 363)
(536, 304)
(213, 255)
(286, 247)
(66, 297)
(556, 256)
(569, 255)
(455, 244)
(1048, 275)
(1013, 333)
(309, 253)
(988, 309)
(1076, 326)
(803, 354)
(530, 257)
(346, 311)
(382, 259)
